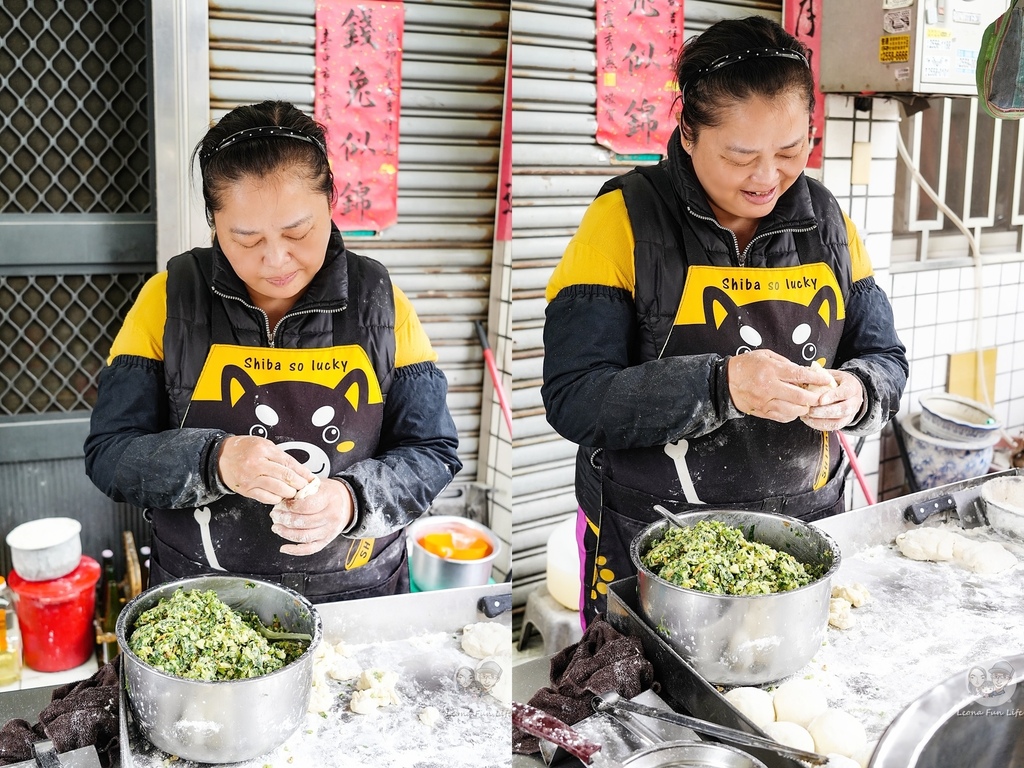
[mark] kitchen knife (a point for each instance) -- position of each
(966, 509)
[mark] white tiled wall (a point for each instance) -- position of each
(934, 308)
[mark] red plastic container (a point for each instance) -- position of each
(56, 617)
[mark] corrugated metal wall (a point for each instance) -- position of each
(557, 170)
(439, 252)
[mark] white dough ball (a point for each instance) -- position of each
(487, 638)
(840, 761)
(837, 731)
(799, 701)
(754, 703)
(790, 734)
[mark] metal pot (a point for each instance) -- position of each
(429, 571)
(748, 639)
(692, 754)
(224, 721)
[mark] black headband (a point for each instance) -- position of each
(264, 131)
(735, 58)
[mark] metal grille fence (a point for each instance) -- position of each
(73, 95)
(975, 164)
(75, 139)
(55, 333)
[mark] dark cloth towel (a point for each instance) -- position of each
(603, 660)
(79, 714)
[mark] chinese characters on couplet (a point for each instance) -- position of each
(637, 43)
(358, 89)
(801, 19)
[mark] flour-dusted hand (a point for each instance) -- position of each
(255, 467)
(767, 385)
(315, 521)
(837, 406)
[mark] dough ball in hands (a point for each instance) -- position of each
(837, 731)
(753, 703)
(799, 701)
(790, 734)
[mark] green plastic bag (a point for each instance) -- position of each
(1000, 71)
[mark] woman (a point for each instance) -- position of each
(686, 313)
(273, 400)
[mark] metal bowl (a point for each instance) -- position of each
(1003, 500)
(956, 724)
(223, 721)
(45, 549)
(692, 754)
(742, 639)
(429, 571)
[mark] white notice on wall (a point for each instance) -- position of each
(895, 22)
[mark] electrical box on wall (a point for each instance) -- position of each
(922, 47)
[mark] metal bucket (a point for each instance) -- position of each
(746, 639)
(230, 720)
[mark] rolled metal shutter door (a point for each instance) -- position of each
(557, 169)
(439, 252)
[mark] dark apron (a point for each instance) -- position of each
(325, 408)
(747, 463)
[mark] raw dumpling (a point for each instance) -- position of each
(839, 613)
(837, 731)
(941, 545)
(790, 734)
(487, 638)
(855, 594)
(799, 701)
(754, 703)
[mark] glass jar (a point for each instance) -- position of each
(10, 637)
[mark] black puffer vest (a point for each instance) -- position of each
(329, 314)
(675, 232)
(806, 225)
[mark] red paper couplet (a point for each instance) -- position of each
(358, 88)
(802, 19)
(637, 44)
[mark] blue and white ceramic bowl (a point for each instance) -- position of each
(937, 461)
(959, 419)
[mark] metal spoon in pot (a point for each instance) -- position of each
(668, 516)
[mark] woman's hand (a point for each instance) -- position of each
(255, 467)
(315, 521)
(763, 383)
(837, 407)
